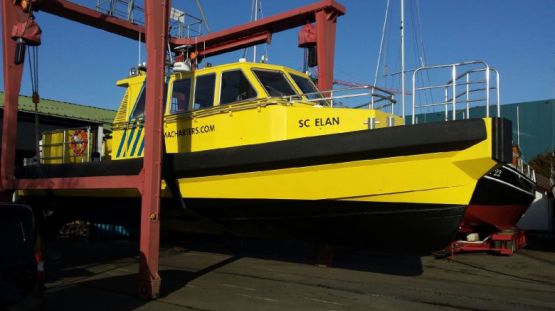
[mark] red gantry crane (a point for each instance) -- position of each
(324, 14)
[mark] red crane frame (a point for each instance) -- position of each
(323, 13)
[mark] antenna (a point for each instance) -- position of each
(255, 18)
(518, 126)
(184, 63)
(403, 55)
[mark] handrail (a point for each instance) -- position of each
(374, 97)
(524, 168)
(87, 155)
(452, 97)
(133, 13)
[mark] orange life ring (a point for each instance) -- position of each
(78, 142)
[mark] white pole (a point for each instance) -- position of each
(255, 18)
(403, 56)
(517, 126)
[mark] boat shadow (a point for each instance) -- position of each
(383, 261)
(102, 275)
(117, 292)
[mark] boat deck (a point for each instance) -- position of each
(211, 275)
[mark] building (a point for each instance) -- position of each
(52, 115)
(533, 124)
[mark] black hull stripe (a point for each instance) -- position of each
(328, 149)
(391, 225)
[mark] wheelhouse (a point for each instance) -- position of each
(217, 86)
(232, 105)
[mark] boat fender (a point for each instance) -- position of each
(473, 237)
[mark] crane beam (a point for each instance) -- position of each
(324, 13)
(214, 43)
(93, 18)
(273, 24)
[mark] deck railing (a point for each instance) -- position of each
(469, 84)
(523, 167)
(56, 146)
(182, 26)
(376, 98)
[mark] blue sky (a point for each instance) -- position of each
(80, 64)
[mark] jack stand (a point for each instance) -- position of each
(504, 243)
(324, 256)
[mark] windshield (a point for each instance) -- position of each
(139, 111)
(274, 82)
(306, 86)
(235, 87)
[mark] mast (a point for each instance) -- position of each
(403, 56)
(518, 126)
(255, 19)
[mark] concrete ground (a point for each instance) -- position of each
(210, 274)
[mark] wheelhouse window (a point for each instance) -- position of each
(307, 87)
(139, 111)
(235, 87)
(204, 91)
(274, 82)
(181, 93)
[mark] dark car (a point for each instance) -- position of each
(21, 259)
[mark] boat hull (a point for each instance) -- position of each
(499, 201)
(399, 187)
(422, 227)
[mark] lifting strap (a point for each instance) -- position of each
(171, 182)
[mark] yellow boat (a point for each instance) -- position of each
(258, 150)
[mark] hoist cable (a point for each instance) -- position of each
(33, 55)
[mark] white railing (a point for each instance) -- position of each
(376, 98)
(471, 87)
(188, 26)
(524, 167)
(62, 147)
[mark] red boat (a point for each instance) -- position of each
(498, 203)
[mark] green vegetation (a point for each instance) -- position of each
(543, 163)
